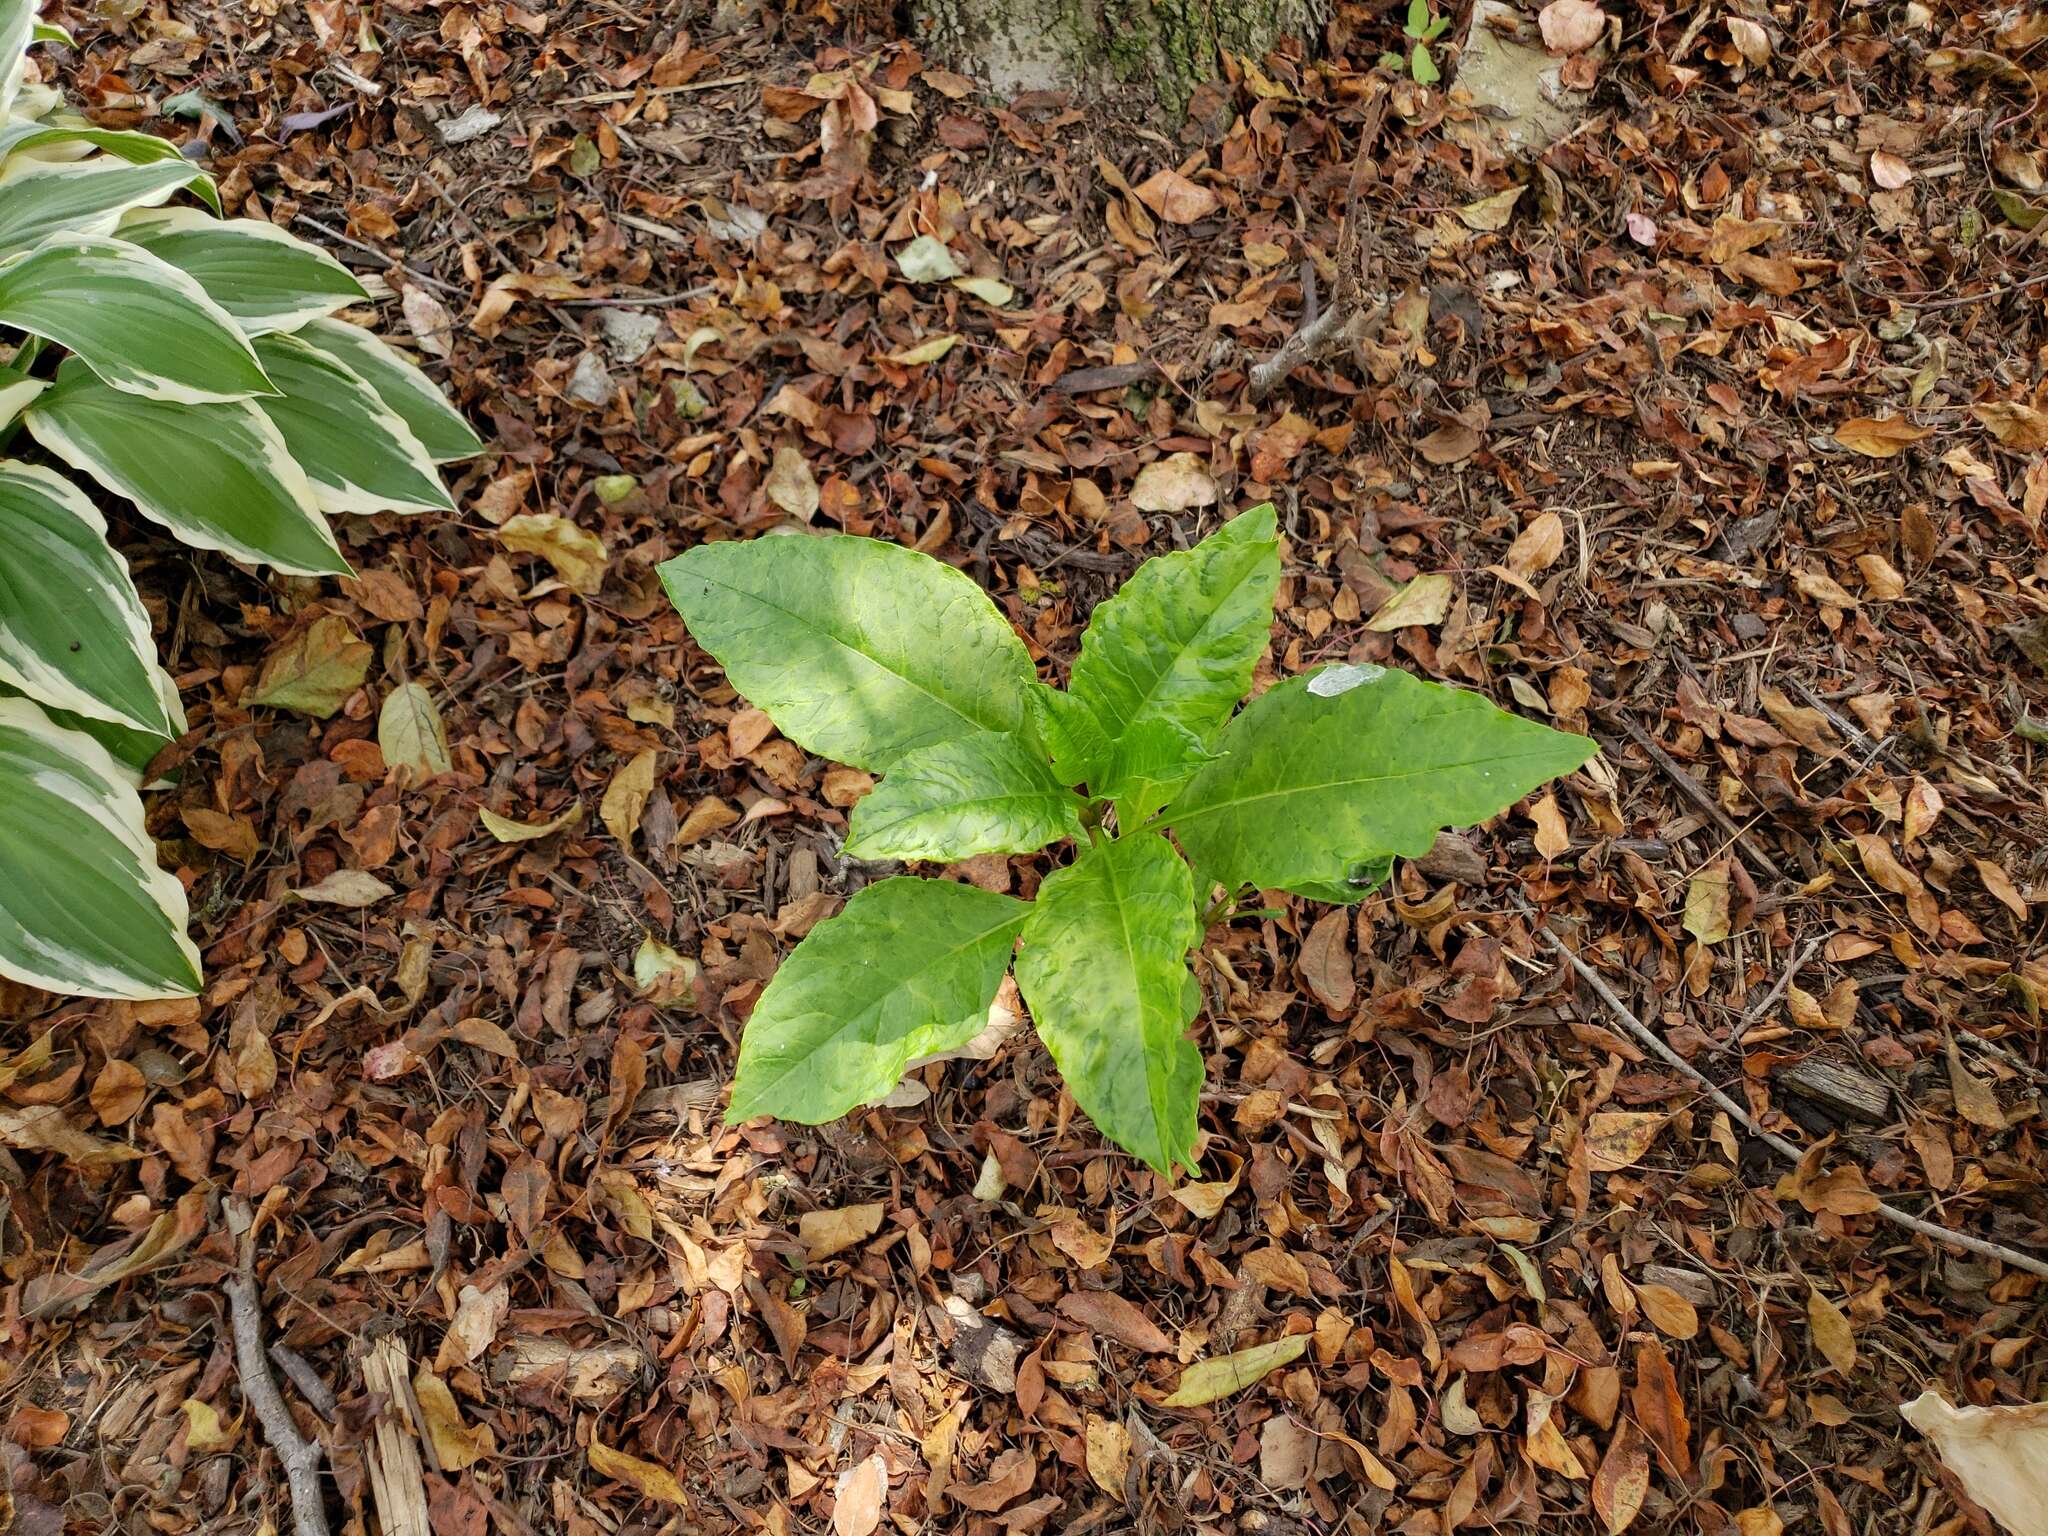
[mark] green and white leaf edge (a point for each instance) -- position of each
(53, 539)
(440, 428)
(73, 843)
(266, 277)
(358, 453)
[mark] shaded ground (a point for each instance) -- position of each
(1638, 423)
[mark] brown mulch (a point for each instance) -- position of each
(1695, 433)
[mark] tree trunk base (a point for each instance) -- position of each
(1165, 47)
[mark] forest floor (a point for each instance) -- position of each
(1720, 441)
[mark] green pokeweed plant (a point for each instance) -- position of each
(883, 658)
(192, 366)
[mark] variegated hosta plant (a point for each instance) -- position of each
(191, 366)
(883, 658)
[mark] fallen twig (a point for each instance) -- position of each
(1349, 320)
(1695, 792)
(1778, 989)
(301, 1457)
(1785, 1149)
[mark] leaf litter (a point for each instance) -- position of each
(1720, 422)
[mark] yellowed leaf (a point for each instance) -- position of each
(505, 830)
(824, 1233)
(1832, 1335)
(2016, 426)
(204, 1431)
(1108, 1448)
(457, 1444)
(626, 796)
(1618, 1138)
(654, 1482)
(1537, 546)
(1668, 1311)
(577, 555)
(1207, 1380)
(1491, 213)
(1553, 837)
(924, 352)
(1976, 1100)
(1425, 601)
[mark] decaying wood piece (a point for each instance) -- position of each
(1840, 1088)
(1657, 1045)
(1351, 319)
(398, 1483)
(301, 1457)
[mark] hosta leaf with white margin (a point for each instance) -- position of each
(985, 793)
(133, 750)
(218, 476)
(87, 197)
(1179, 640)
(72, 631)
(139, 323)
(1328, 770)
(267, 279)
(401, 386)
(17, 389)
(909, 968)
(25, 136)
(858, 650)
(83, 905)
(1103, 967)
(359, 454)
(17, 30)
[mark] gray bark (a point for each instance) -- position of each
(1164, 47)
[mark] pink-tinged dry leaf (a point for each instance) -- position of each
(1571, 26)
(1888, 170)
(1175, 483)
(1642, 229)
(1999, 1455)
(857, 1499)
(428, 320)
(1176, 199)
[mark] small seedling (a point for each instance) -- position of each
(1178, 805)
(1422, 28)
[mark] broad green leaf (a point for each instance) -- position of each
(267, 279)
(314, 672)
(1071, 734)
(139, 323)
(1180, 639)
(1219, 1376)
(984, 793)
(357, 451)
(83, 906)
(401, 386)
(1366, 876)
(218, 476)
(1324, 772)
(73, 633)
(1150, 763)
(1103, 967)
(858, 650)
(85, 197)
(910, 968)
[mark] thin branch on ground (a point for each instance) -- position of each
(1778, 989)
(1982, 1247)
(301, 1457)
(1349, 320)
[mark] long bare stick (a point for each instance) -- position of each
(1778, 1144)
(301, 1457)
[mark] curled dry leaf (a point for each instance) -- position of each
(1425, 601)
(2023, 428)
(577, 555)
(1888, 171)
(1751, 41)
(655, 1482)
(1176, 483)
(1998, 1454)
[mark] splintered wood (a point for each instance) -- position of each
(397, 1481)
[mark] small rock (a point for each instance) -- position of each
(589, 383)
(1521, 103)
(628, 333)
